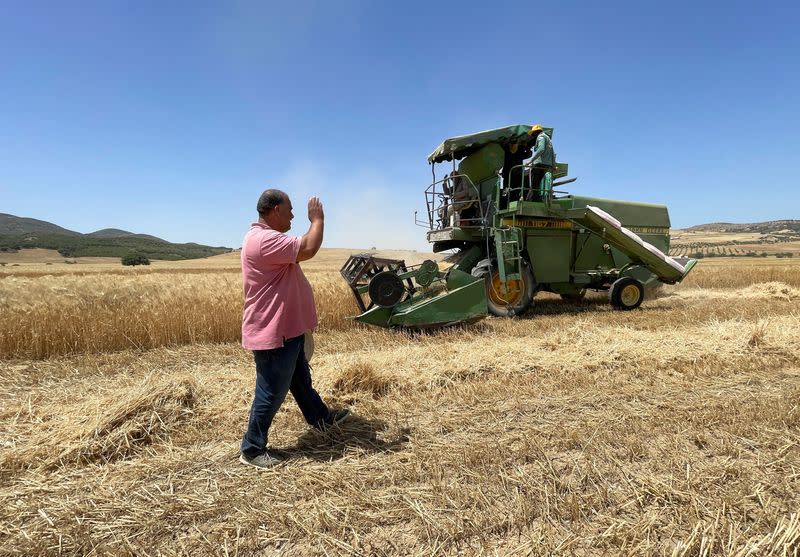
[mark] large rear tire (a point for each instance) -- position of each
(519, 293)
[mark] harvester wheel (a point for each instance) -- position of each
(626, 293)
(516, 298)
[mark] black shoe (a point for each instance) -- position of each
(335, 418)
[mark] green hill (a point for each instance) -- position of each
(117, 233)
(21, 233)
(762, 227)
(13, 225)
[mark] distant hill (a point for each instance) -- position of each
(21, 233)
(110, 233)
(762, 227)
(13, 225)
(117, 233)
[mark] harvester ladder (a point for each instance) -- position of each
(507, 245)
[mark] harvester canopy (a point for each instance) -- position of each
(462, 145)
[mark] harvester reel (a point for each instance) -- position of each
(386, 289)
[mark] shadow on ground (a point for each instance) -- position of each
(356, 432)
(594, 301)
(564, 307)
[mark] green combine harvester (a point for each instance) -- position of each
(513, 234)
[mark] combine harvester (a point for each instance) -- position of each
(514, 235)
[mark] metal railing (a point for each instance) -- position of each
(525, 175)
(443, 209)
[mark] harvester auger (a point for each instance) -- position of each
(513, 235)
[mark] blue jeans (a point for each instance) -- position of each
(279, 371)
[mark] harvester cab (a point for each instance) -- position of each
(513, 233)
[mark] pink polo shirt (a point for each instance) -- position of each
(278, 301)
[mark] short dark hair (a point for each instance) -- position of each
(269, 199)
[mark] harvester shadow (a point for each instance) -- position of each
(562, 307)
(355, 433)
(477, 328)
(554, 306)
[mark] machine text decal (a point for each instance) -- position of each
(648, 229)
(539, 223)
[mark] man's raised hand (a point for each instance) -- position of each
(315, 212)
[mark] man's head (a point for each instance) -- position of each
(535, 130)
(275, 210)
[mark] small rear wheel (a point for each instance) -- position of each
(626, 294)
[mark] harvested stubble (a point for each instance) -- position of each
(103, 430)
(674, 430)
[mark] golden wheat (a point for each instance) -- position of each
(741, 272)
(43, 316)
(52, 315)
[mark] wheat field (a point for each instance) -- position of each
(572, 430)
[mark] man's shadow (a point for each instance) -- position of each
(356, 432)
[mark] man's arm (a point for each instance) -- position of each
(311, 241)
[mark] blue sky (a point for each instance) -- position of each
(169, 118)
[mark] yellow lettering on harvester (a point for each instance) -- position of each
(648, 229)
(539, 223)
(566, 225)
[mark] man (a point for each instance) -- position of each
(278, 311)
(544, 160)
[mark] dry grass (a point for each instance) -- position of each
(48, 315)
(672, 430)
(68, 314)
(742, 272)
(102, 430)
(111, 308)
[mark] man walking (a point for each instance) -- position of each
(278, 311)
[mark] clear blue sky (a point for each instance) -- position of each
(169, 118)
